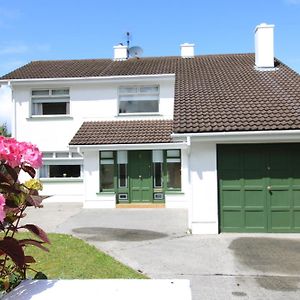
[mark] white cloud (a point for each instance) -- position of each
(5, 106)
(17, 49)
(293, 2)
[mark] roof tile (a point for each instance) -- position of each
(212, 92)
(123, 132)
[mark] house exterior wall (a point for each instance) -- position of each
(89, 101)
(204, 188)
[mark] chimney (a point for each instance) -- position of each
(120, 52)
(187, 50)
(264, 46)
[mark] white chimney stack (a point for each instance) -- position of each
(264, 46)
(187, 50)
(120, 52)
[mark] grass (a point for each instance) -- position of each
(72, 258)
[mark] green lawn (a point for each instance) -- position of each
(71, 258)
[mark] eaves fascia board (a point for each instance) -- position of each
(150, 146)
(267, 136)
(96, 79)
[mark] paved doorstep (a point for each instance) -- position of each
(108, 289)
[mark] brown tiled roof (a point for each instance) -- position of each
(123, 132)
(213, 93)
(60, 69)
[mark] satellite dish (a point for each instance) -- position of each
(135, 51)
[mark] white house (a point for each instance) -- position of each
(216, 134)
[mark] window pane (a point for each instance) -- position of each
(173, 160)
(107, 161)
(44, 172)
(107, 176)
(174, 175)
(157, 174)
(125, 90)
(122, 175)
(37, 109)
(62, 154)
(40, 92)
(122, 157)
(75, 154)
(138, 106)
(60, 92)
(157, 156)
(149, 89)
(54, 108)
(138, 97)
(64, 171)
(47, 154)
(107, 154)
(173, 153)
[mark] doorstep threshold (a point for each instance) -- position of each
(141, 205)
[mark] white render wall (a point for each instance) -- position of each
(95, 101)
(203, 212)
(88, 102)
(93, 199)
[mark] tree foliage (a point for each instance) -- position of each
(4, 130)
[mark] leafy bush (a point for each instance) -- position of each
(17, 158)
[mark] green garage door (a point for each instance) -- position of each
(259, 187)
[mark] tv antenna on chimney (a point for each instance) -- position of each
(134, 51)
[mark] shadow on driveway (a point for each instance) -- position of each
(270, 255)
(102, 234)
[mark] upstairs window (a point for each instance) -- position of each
(50, 102)
(139, 99)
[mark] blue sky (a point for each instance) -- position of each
(65, 29)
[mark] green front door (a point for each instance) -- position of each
(140, 176)
(259, 187)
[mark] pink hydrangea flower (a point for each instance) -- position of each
(15, 153)
(2, 212)
(31, 155)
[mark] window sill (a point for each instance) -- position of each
(105, 193)
(63, 179)
(174, 192)
(138, 114)
(50, 117)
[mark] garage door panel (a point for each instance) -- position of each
(278, 158)
(280, 198)
(230, 160)
(232, 198)
(280, 221)
(255, 198)
(230, 178)
(268, 179)
(252, 161)
(252, 179)
(296, 199)
(232, 220)
(296, 220)
(255, 220)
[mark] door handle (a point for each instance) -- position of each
(269, 188)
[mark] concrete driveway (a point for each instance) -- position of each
(155, 242)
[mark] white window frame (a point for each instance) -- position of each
(139, 87)
(35, 99)
(52, 158)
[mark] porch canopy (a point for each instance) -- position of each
(124, 133)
